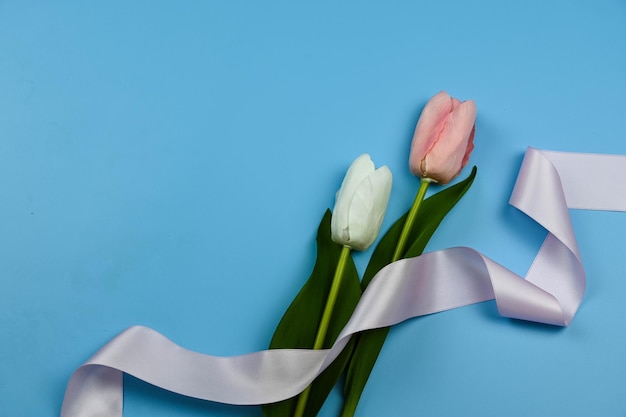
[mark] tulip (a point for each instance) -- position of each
(443, 139)
(442, 143)
(360, 204)
(441, 147)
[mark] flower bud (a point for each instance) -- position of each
(443, 139)
(360, 204)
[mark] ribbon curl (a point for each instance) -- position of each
(547, 185)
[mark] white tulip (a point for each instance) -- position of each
(360, 204)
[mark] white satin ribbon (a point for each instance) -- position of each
(548, 183)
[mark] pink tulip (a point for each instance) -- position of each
(443, 139)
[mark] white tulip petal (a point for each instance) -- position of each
(359, 214)
(360, 169)
(340, 226)
(368, 207)
(382, 180)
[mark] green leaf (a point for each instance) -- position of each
(298, 327)
(369, 343)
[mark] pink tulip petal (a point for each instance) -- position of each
(470, 147)
(444, 161)
(430, 123)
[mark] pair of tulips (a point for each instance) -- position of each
(442, 143)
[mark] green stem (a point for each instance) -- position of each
(376, 338)
(323, 327)
(410, 219)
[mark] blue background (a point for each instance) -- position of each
(167, 163)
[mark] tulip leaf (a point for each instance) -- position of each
(298, 326)
(369, 343)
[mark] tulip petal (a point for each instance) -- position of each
(455, 104)
(462, 120)
(367, 208)
(430, 123)
(444, 161)
(360, 169)
(470, 147)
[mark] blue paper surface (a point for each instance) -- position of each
(167, 163)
